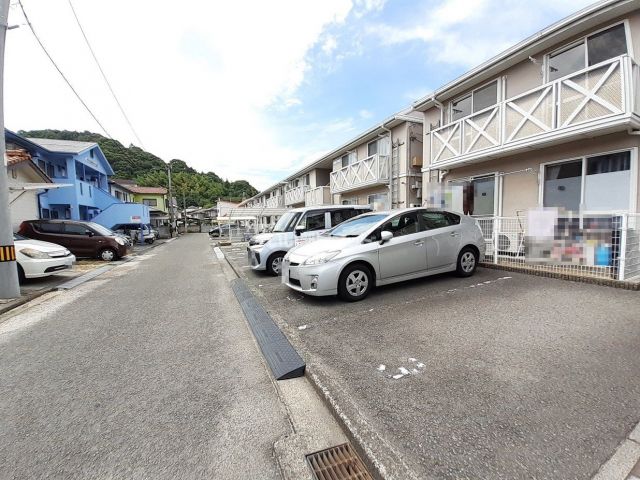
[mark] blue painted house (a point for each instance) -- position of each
(84, 166)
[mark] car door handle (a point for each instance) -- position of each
(454, 234)
(419, 243)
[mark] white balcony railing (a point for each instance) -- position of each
(373, 170)
(317, 196)
(275, 202)
(295, 195)
(575, 103)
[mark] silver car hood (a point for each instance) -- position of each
(323, 244)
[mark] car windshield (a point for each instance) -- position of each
(286, 222)
(17, 237)
(100, 229)
(357, 225)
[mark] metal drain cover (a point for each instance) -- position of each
(338, 463)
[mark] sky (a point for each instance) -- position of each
(254, 89)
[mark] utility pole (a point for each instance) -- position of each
(9, 287)
(172, 225)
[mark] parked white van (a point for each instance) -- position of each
(297, 226)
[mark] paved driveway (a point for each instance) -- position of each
(503, 375)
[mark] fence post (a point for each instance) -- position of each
(496, 230)
(622, 254)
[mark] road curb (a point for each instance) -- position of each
(382, 466)
(634, 286)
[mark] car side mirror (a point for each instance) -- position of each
(300, 229)
(88, 233)
(385, 236)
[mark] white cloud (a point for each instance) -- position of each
(329, 45)
(195, 77)
(467, 32)
(364, 113)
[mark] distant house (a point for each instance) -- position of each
(153, 197)
(83, 166)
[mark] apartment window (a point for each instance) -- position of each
(91, 153)
(306, 179)
(90, 192)
(150, 202)
(591, 50)
(372, 148)
(81, 190)
(599, 183)
(62, 171)
(42, 165)
(118, 195)
(45, 213)
(477, 100)
(346, 160)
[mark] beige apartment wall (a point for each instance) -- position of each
(360, 197)
(520, 190)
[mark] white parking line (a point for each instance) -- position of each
(218, 253)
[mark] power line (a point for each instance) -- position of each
(104, 76)
(60, 71)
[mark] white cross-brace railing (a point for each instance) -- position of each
(368, 171)
(609, 92)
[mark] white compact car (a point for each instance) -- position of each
(384, 247)
(297, 226)
(40, 259)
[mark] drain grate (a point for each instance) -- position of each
(338, 463)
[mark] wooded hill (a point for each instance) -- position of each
(199, 188)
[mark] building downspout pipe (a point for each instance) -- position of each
(382, 126)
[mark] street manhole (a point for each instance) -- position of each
(338, 463)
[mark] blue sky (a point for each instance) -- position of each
(253, 89)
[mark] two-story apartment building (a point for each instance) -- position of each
(83, 166)
(382, 166)
(551, 122)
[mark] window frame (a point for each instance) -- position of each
(583, 40)
(145, 200)
(633, 181)
(372, 142)
(470, 93)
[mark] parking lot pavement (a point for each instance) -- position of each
(502, 375)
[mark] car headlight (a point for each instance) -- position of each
(120, 241)
(320, 258)
(33, 253)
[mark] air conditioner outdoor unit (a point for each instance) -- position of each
(511, 243)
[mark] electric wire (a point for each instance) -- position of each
(60, 71)
(104, 76)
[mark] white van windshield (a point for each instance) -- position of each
(286, 222)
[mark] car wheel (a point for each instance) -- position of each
(467, 262)
(21, 275)
(355, 283)
(274, 264)
(108, 255)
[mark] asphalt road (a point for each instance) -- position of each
(508, 375)
(148, 372)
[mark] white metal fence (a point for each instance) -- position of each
(597, 246)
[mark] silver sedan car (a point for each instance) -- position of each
(384, 247)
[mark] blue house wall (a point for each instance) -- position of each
(88, 172)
